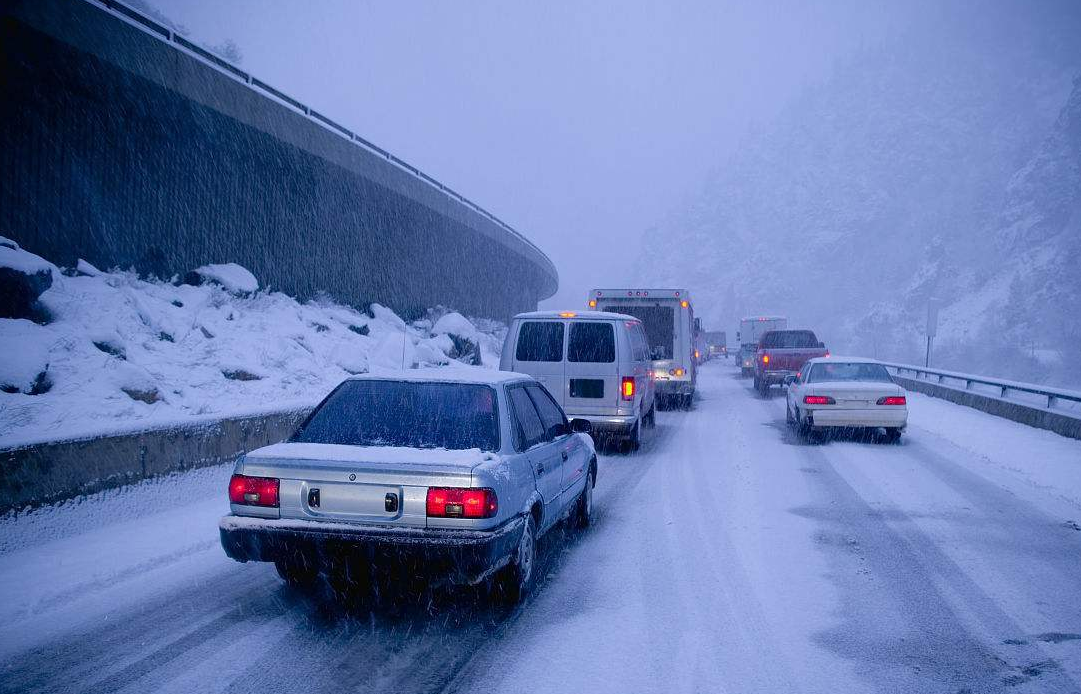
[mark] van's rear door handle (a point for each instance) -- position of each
(540, 468)
(564, 455)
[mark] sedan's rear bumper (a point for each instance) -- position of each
(458, 556)
(878, 417)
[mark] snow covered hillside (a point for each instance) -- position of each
(944, 166)
(114, 352)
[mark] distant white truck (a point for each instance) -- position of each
(751, 330)
(668, 318)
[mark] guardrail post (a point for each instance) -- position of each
(968, 384)
(1003, 393)
(1052, 400)
(940, 378)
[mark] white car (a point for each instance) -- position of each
(845, 392)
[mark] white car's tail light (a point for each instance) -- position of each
(818, 400)
(892, 400)
(253, 491)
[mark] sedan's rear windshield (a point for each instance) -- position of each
(416, 415)
(789, 339)
(847, 371)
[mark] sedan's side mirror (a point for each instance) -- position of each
(789, 379)
(557, 430)
(581, 426)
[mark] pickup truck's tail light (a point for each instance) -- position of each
(593, 303)
(678, 371)
(626, 388)
(827, 354)
(461, 502)
(818, 400)
(253, 491)
(765, 358)
(892, 400)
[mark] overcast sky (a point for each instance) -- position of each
(579, 123)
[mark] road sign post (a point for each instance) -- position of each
(932, 328)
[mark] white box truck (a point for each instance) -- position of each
(750, 330)
(668, 318)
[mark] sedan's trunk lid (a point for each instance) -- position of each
(361, 484)
(855, 394)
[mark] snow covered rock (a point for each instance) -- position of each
(234, 278)
(464, 337)
(23, 278)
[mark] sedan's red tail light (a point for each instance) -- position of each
(892, 400)
(253, 491)
(626, 389)
(461, 502)
(818, 400)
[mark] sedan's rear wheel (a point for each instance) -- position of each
(298, 574)
(516, 581)
(893, 435)
(788, 418)
(584, 513)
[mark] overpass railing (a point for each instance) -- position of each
(1068, 401)
(155, 28)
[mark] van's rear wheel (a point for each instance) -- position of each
(634, 441)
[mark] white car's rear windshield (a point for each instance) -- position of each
(456, 416)
(847, 371)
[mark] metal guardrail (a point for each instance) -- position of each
(1054, 396)
(158, 30)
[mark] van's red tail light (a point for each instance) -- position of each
(892, 400)
(253, 491)
(818, 400)
(461, 502)
(626, 389)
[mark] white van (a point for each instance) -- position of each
(667, 316)
(596, 365)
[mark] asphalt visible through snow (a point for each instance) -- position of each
(727, 556)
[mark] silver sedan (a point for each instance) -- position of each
(448, 474)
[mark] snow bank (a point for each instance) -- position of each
(122, 354)
(15, 258)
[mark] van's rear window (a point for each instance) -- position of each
(592, 342)
(659, 323)
(399, 413)
(540, 341)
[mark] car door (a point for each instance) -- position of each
(573, 454)
(539, 353)
(534, 442)
(592, 369)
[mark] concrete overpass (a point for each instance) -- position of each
(126, 144)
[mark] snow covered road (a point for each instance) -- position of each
(727, 557)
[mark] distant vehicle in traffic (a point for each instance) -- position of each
(449, 474)
(595, 364)
(750, 331)
(717, 343)
(701, 347)
(782, 353)
(845, 393)
(668, 318)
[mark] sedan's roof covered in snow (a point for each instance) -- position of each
(447, 374)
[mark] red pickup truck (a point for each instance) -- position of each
(782, 353)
